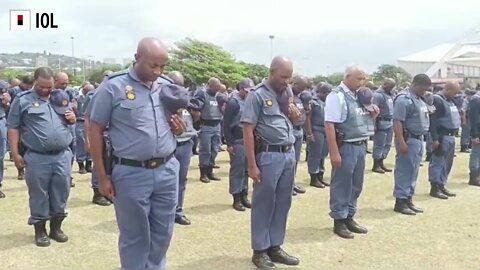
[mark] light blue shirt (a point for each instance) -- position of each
(335, 105)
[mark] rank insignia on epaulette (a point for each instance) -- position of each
(130, 92)
(269, 102)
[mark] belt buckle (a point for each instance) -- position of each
(152, 163)
(286, 148)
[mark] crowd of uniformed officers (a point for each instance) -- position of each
(140, 128)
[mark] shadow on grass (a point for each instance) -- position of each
(108, 226)
(75, 202)
(309, 235)
(15, 240)
(376, 213)
(219, 262)
(15, 189)
(206, 209)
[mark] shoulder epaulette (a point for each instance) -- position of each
(23, 93)
(116, 74)
(166, 78)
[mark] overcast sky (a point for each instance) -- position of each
(320, 36)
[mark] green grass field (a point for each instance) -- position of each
(445, 236)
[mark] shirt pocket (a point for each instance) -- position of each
(131, 112)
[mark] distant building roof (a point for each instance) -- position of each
(436, 53)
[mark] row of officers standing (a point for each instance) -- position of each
(139, 127)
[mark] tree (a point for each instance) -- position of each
(390, 71)
(97, 74)
(256, 71)
(7, 74)
(198, 61)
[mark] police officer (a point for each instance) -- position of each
(144, 180)
(347, 127)
(61, 82)
(299, 86)
(97, 198)
(444, 124)
(268, 137)
(233, 130)
(25, 84)
(43, 116)
(209, 136)
(183, 152)
(5, 105)
(410, 124)
(474, 119)
(316, 140)
(382, 140)
(84, 160)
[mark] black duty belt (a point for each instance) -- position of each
(50, 153)
(182, 143)
(413, 136)
(149, 164)
(384, 118)
(210, 123)
(447, 132)
(275, 148)
(357, 142)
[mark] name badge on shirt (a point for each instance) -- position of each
(453, 109)
(130, 92)
(185, 112)
(213, 103)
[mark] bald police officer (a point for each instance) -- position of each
(410, 124)
(43, 116)
(4, 106)
(209, 136)
(316, 140)
(382, 140)
(268, 136)
(444, 125)
(347, 127)
(144, 180)
(233, 131)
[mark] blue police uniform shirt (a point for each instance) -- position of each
(138, 127)
(263, 110)
(41, 127)
(82, 106)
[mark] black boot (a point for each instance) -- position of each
(203, 175)
(278, 255)
(322, 180)
(56, 232)
(88, 166)
(210, 174)
(299, 189)
(413, 207)
(99, 199)
(436, 193)
(354, 227)
(382, 166)
(376, 166)
(2, 195)
(464, 149)
(72, 184)
(244, 199)
(21, 174)
(428, 158)
(41, 238)
(340, 229)
(314, 182)
(402, 207)
(261, 260)
(81, 168)
(474, 181)
(237, 202)
(447, 192)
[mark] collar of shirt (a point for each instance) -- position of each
(347, 90)
(134, 76)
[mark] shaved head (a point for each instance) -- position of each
(61, 81)
(223, 88)
(354, 77)
(451, 89)
(214, 86)
(388, 84)
(151, 59)
(177, 77)
(299, 84)
(88, 87)
(14, 82)
(281, 70)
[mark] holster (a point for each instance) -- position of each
(439, 151)
(339, 136)
(108, 157)
(21, 149)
